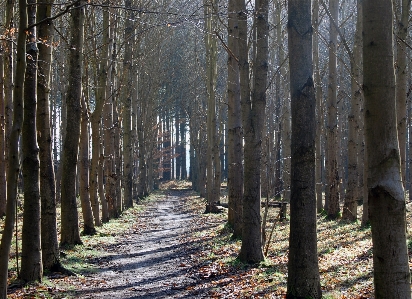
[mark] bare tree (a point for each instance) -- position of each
(303, 269)
(385, 190)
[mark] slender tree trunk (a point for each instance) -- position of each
(100, 178)
(385, 190)
(350, 208)
(235, 143)
(9, 66)
(96, 193)
(84, 166)
(402, 77)
(31, 257)
(319, 110)
(303, 270)
(126, 98)
(333, 175)
(69, 217)
(50, 246)
(7, 110)
(253, 114)
(13, 154)
(3, 188)
(211, 77)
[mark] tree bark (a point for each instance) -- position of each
(2, 136)
(385, 190)
(50, 246)
(350, 209)
(31, 255)
(126, 98)
(13, 154)
(235, 142)
(303, 270)
(211, 77)
(84, 166)
(253, 114)
(401, 73)
(319, 110)
(333, 175)
(69, 218)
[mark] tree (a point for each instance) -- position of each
(126, 98)
(333, 174)
(84, 166)
(69, 217)
(303, 269)
(253, 115)
(50, 246)
(13, 157)
(213, 169)
(2, 136)
(235, 146)
(385, 190)
(31, 257)
(350, 209)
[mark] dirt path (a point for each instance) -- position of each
(150, 263)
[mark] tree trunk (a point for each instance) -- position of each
(253, 114)
(235, 142)
(303, 271)
(126, 98)
(69, 217)
(333, 175)
(31, 255)
(319, 110)
(13, 154)
(385, 190)
(350, 208)
(96, 118)
(84, 166)
(211, 77)
(3, 188)
(50, 246)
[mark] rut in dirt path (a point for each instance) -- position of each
(149, 263)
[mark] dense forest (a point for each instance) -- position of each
(297, 103)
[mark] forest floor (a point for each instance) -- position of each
(166, 247)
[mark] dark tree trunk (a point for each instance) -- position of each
(69, 217)
(303, 270)
(50, 246)
(13, 154)
(386, 198)
(253, 114)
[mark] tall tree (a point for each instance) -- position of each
(31, 257)
(402, 22)
(235, 146)
(69, 216)
(13, 153)
(84, 166)
(213, 190)
(385, 190)
(50, 246)
(351, 206)
(303, 269)
(319, 110)
(253, 114)
(126, 98)
(2, 135)
(96, 177)
(333, 175)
